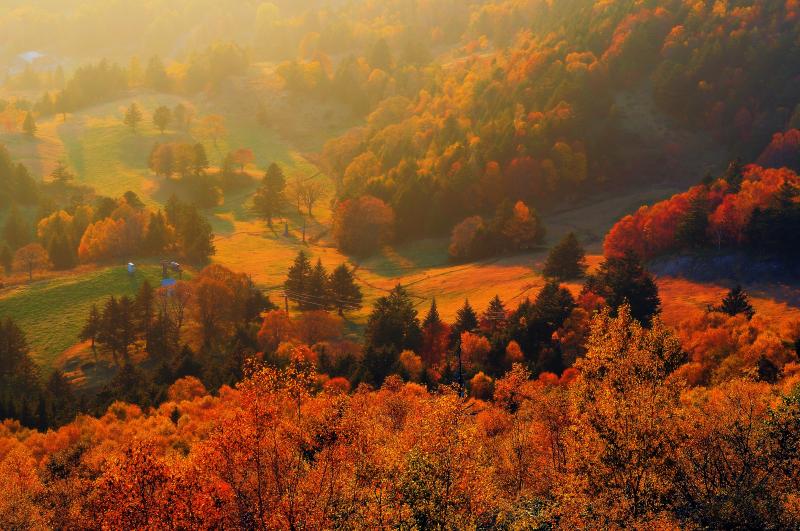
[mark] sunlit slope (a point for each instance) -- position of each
(52, 312)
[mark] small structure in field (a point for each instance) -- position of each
(131, 268)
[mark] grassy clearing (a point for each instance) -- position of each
(52, 312)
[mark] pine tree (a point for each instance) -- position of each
(466, 321)
(143, 308)
(298, 279)
(269, 198)
(495, 315)
(432, 318)
(567, 260)
(345, 293)
(132, 116)
(625, 279)
(61, 174)
(318, 288)
(157, 236)
(29, 125)
(393, 323)
(737, 302)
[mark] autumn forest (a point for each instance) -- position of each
(400, 264)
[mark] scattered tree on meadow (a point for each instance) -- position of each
(61, 174)
(345, 293)
(133, 116)
(269, 199)
(567, 260)
(626, 281)
(298, 280)
(29, 125)
(736, 302)
(243, 157)
(361, 225)
(33, 257)
(91, 329)
(318, 292)
(162, 117)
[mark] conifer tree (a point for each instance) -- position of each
(143, 308)
(61, 174)
(495, 315)
(91, 329)
(466, 321)
(298, 279)
(393, 323)
(345, 293)
(157, 236)
(567, 260)
(318, 288)
(269, 198)
(621, 280)
(737, 302)
(29, 125)
(432, 318)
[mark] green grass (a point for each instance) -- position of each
(52, 312)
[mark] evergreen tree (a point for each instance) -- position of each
(345, 293)
(143, 308)
(318, 288)
(432, 318)
(393, 323)
(567, 260)
(157, 236)
(466, 320)
(162, 117)
(625, 279)
(194, 233)
(132, 116)
(61, 174)
(691, 230)
(737, 302)
(91, 329)
(29, 125)
(269, 199)
(495, 315)
(297, 283)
